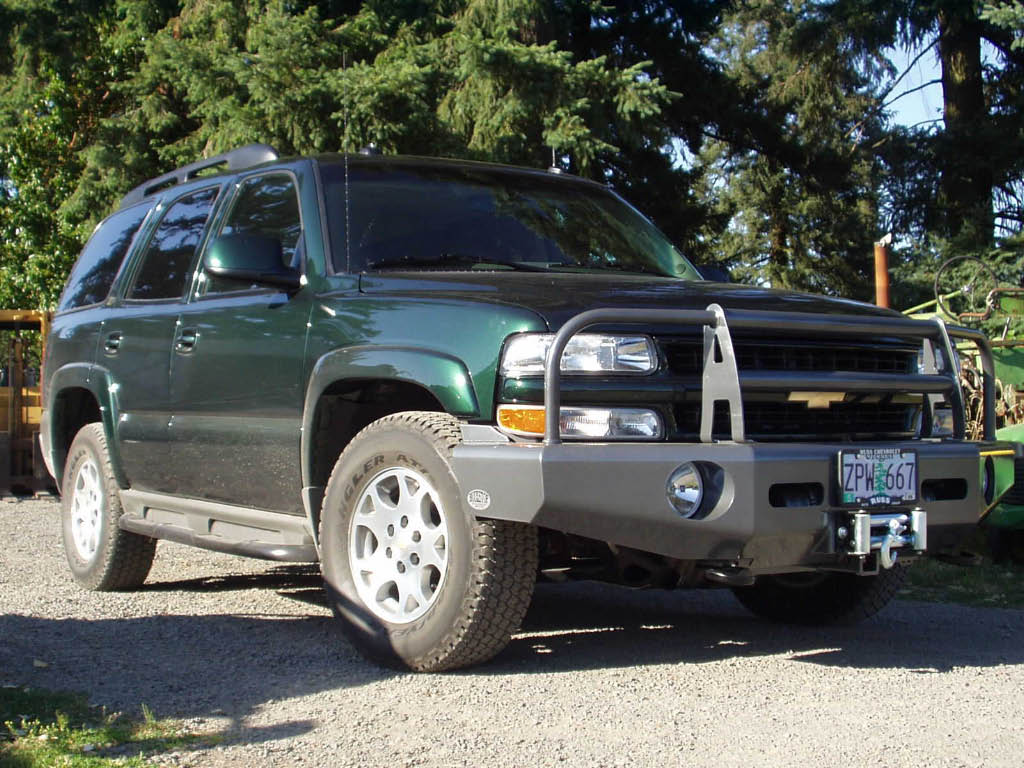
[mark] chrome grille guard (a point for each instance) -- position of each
(722, 381)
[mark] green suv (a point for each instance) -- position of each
(444, 380)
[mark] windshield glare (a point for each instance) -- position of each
(403, 217)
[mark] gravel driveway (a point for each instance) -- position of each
(599, 676)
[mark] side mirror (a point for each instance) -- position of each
(252, 257)
(714, 273)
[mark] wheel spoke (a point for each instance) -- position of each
(435, 548)
(374, 525)
(377, 581)
(381, 500)
(420, 587)
(377, 564)
(403, 595)
(374, 518)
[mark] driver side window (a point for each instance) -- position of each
(265, 205)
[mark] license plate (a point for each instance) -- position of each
(878, 476)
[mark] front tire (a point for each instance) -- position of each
(102, 557)
(821, 598)
(414, 579)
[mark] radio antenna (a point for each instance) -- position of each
(345, 150)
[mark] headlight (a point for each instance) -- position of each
(585, 353)
(942, 422)
(583, 423)
(940, 361)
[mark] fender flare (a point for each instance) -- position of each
(446, 377)
(98, 383)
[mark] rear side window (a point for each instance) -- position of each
(165, 265)
(94, 272)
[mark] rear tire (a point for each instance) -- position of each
(821, 598)
(102, 557)
(1006, 546)
(414, 578)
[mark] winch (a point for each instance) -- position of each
(884, 532)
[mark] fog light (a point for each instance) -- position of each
(685, 489)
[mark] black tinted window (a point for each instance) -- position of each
(265, 205)
(165, 264)
(94, 272)
(477, 217)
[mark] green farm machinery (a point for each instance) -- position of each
(968, 292)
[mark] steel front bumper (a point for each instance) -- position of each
(772, 506)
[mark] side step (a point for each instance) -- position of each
(218, 527)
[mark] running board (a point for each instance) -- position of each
(218, 527)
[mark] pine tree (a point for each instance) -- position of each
(800, 190)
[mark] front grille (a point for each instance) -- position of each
(685, 356)
(773, 417)
(778, 420)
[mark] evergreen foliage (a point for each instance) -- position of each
(756, 134)
(802, 200)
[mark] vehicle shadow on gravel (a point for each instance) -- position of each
(298, 582)
(214, 671)
(223, 668)
(586, 626)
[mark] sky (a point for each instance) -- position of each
(921, 105)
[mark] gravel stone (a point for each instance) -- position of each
(599, 676)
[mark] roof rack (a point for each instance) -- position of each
(236, 159)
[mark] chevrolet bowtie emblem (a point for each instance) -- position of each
(817, 399)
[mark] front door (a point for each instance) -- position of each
(236, 370)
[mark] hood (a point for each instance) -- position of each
(557, 296)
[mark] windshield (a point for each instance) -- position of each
(458, 217)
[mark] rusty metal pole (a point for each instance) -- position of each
(882, 271)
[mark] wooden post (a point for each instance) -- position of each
(882, 271)
(16, 376)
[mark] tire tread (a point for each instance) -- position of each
(839, 599)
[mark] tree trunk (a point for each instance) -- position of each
(966, 191)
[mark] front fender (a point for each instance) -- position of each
(444, 376)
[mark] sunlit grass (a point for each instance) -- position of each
(987, 584)
(40, 729)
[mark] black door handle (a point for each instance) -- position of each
(186, 340)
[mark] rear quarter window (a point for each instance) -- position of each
(97, 266)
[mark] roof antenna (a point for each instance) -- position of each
(348, 230)
(554, 163)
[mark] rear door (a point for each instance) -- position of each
(236, 366)
(139, 331)
(81, 311)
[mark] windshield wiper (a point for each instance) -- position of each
(455, 261)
